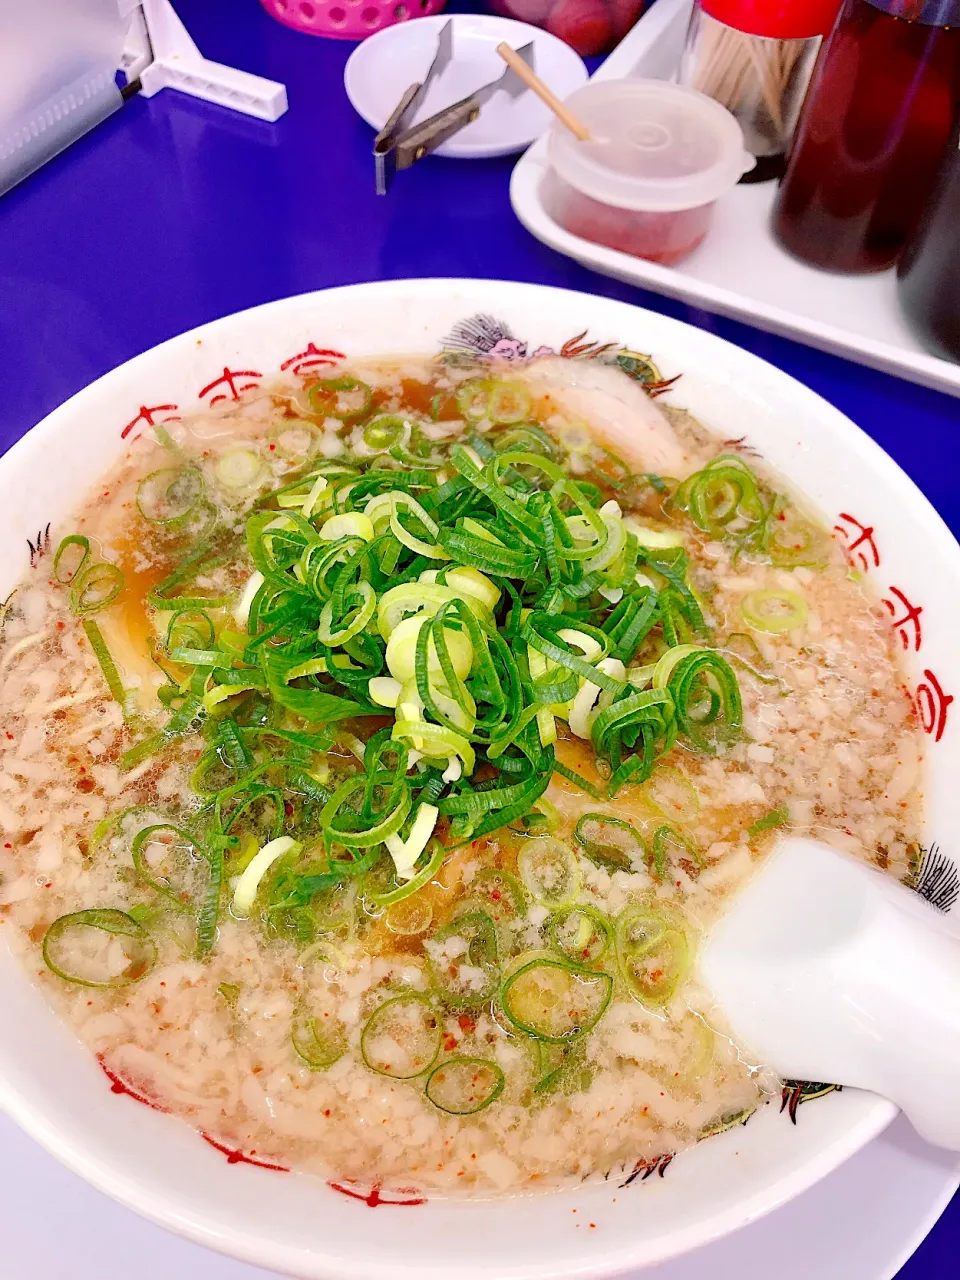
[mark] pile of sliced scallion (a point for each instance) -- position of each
(383, 682)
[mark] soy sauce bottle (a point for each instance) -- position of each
(929, 271)
(882, 102)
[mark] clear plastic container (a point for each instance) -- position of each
(589, 26)
(659, 158)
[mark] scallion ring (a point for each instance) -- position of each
(345, 398)
(774, 610)
(95, 587)
(463, 1086)
(85, 947)
(582, 934)
(653, 954)
(549, 871)
(316, 1043)
(71, 556)
(554, 1000)
(170, 496)
(612, 843)
(401, 1038)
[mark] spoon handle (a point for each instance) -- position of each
(830, 970)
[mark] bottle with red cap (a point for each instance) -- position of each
(883, 99)
(755, 57)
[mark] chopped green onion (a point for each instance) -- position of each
(792, 540)
(246, 890)
(238, 469)
(653, 954)
(86, 947)
(170, 861)
(775, 818)
(401, 1039)
(169, 497)
(406, 853)
(71, 556)
(317, 1044)
(463, 1086)
(459, 989)
(496, 401)
(549, 871)
(107, 664)
(610, 842)
(385, 432)
(409, 917)
(95, 587)
(665, 838)
(345, 398)
(581, 934)
(672, 794)
(724, 500)
(555, 1001)
(774, 610)
(501, 894)
(391, 896)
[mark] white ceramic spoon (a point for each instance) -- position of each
(830, 970)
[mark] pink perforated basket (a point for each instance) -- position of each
(347, 19)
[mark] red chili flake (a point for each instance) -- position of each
(467, 1023)
(327, 1111)
(9, 735)
(61, 626)
(7, 844)
(272, 447)
(593, 1226)
(449, 1042)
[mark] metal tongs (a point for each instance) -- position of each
(401, 143)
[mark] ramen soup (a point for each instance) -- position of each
(376, 750)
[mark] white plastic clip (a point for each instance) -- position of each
(178, 64)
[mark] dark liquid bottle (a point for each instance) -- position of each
(881, 105)
(929, 270)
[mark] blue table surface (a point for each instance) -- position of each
(173, 212)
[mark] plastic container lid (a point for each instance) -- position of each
(655, 146)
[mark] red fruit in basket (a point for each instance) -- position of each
(623, 15)
(534, 11)
(583, 24)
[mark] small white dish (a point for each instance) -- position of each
(381, 68)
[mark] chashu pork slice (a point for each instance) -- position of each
(614, 406)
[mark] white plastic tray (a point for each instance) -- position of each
(740, 270)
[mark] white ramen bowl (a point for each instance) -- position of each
(52, 1086)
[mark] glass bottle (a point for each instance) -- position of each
(929, 271)
(881, 106)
